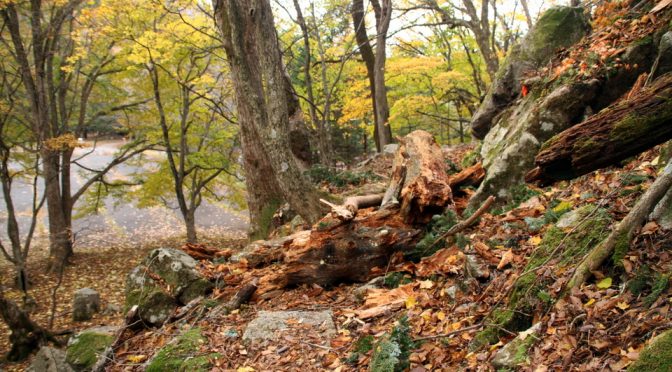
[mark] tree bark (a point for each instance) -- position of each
(365, 50)
(383, 18)
(419, 168)
(624, 129)
(252, 49)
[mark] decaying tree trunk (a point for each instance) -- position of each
(616, 133)
(351, 243)
(419, 180)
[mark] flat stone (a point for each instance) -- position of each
(391, 148)
(267, 323)
(86, 302)
(49, 359)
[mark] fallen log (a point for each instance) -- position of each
(354, 243)
(203, 252)
(419, 180)
(624, 129)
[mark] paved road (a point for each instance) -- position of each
(122, 223)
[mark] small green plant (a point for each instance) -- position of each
(439, 224)
(395, 279)
(363, 345)
(392, 352)
(659, 287)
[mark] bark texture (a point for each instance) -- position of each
(253, 53)
(622, 130)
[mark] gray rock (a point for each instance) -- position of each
(86, 302)
(49, 359)
(475, 267)
(155, 301)
(112, 309)
(452, 292)
(268, 323)
(391, 148)
(664, 55)
(515, 352)
(509, 149)
(559, 27)
(574, 217)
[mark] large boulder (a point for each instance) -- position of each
(49, 359)
(509, 149)
(87, 346)
(559, 27)
(177, 282)
(268, 323)
(86, 302)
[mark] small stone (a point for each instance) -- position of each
(231, 333)
(516, 351)
(475, 267)
(112, 309)
(86, 303)
(268, 323)
(49, 359)
(451, 292)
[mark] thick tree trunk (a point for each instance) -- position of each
(622, 130)
(384, 16)
(252, 48)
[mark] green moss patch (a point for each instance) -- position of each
(183, 354)
(83, 353)
(657, 356)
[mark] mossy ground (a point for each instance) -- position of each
(183, 355)
(83, 353)
(657, 357)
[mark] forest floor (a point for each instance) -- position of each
(602, 326)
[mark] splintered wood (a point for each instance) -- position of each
(419, 168)
(354, 243)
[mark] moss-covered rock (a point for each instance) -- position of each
(182, 354)
(515, 353)
(85, 348)
(657, 356)
(559, 27)
(154, 303)
(178, 270)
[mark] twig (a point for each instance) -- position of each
(468, 222)
(443, 335)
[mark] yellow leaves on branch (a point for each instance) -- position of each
(61, 143)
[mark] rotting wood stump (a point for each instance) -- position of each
(624, 129)
(352, 244)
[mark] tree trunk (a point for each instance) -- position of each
(624, 129)
(190, 223)
(253, 53)
(365, 50)
(60, 235)
(382, 106)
